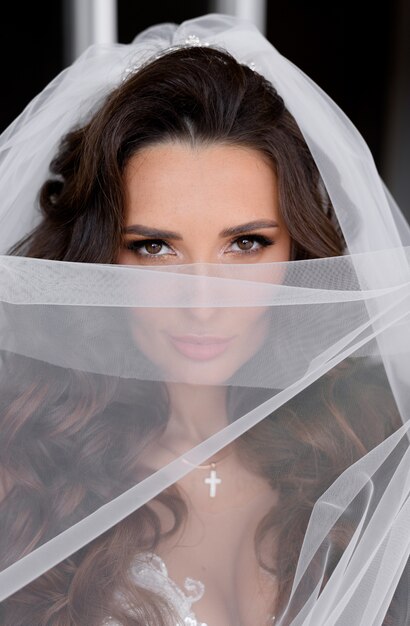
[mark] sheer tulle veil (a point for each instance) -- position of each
(317, 388)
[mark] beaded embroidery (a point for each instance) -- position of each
(150, 572)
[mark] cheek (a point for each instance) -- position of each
(147, 326)
(252, 326)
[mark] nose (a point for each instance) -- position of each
(202, 298)
(201, 314)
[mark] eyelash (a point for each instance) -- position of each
(137, 245)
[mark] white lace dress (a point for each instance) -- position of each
(150, 572)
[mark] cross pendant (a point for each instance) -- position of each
(212, 481)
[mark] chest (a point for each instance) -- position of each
(216, 546)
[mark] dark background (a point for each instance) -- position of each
(351, 49)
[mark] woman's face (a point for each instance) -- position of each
(207, 204)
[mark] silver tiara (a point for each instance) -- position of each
(190, 42)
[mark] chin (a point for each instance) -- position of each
(209, 375)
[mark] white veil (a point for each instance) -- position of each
(325, 381)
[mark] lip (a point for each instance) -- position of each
(200, 347)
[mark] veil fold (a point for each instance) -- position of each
(321, 367)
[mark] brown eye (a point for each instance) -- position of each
(244, 243)
(153, 247)
(148, 247)
(250, 244)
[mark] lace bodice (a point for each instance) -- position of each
(150, 572)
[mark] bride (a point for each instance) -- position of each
(192, 188)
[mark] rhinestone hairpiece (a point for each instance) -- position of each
(190, 41)
(193, 40)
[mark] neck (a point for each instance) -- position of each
(196, 413)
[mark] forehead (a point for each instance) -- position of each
(178, 181)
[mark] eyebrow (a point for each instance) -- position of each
(242, 228)
(151, 233)
(155, 233)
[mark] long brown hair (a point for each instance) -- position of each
(200, 96)
(196, 95)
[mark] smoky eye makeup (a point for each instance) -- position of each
(245, 244)
(147, 247)
(248, 241)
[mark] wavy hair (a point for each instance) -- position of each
(200, 96)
